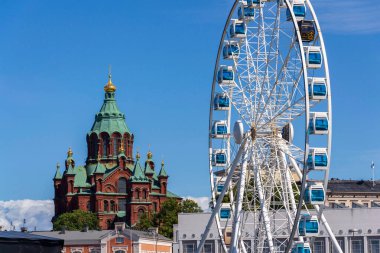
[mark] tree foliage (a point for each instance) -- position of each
(76, 220)
(168, 215)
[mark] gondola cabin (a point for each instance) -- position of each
(225, 211)
(287, 132)
(219, 158)
(226, 75)
(308, 225)
(219, 184)
(227, 235)
(313, 57)
(221, 102)
(219, 129)
(238, 29)
(319, 123)
(314, 193)
(307, 30)
(252, 3)
(231, 50)
(246, 13)
(317, 159)
(299, 10)
(317, 88)
(301, 247)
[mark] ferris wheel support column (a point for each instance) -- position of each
(239, 204)
(215, 211)
(264, 209)
(323, 218)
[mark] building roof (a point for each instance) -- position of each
(109, 119)
(18, 237)
(138, 174)
(362, 186)
(95, 236)
(163, 171)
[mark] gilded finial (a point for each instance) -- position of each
(121, 149)
(109, 87)
(70, 153)
(137, 156)
(149, 155)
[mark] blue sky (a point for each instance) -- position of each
(54, 58)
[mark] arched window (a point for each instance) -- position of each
(122, 185)
(120, 251)
(106, 143)
(137, 194)
(113, 208)
(106, 207)
(144, 194)
(116, 145)
(122, 205)
(140, 213)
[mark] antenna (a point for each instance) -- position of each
(373, 173)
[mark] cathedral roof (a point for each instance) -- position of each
(109, 119)
(58, 174)
(163, 171)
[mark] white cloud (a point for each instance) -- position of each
(350, 16)
(38, 213)
(203, 202)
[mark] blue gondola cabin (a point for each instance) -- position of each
(219, 158)
(299, 10)
(314, 193)
(231, 50)
(221, 102)
(219, 129)
(313, 57)
(301, 247)
(308, 225)
(246, 13)
(319, 123)
(317, 88)
(225, 211)
(238, 29)
(317, 159)
(226, 75)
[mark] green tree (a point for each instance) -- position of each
(190, 206)
(76, 220)
(144, 222)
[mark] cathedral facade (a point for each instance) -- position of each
(112, 183)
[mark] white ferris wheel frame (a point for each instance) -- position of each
(241, 152)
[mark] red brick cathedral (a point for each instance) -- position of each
(112, 184)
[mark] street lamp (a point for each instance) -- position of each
(353, 231)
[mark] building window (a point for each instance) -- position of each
(122, 205)
(374, 246)
(120, 251)
(341, 244)
(140, 213)
(106, 142)
(119, 239)
(106, 207)
(144, 194)
(189, 246)
(137, 194)
(89, 206)
(319, 246)
(113, 207)
(208, 247)
(122, 185)
(356, 245)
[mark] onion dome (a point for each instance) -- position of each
(109, 87)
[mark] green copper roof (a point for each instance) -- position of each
(100, 168)
(58, 174)
(80, 179)
(109, 119)
(162, 171)
(138, 174)
(148, 169)
(172, 195)
(70, 170)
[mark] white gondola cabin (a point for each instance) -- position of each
(301, 247)
(308, 225)
(299, 10)
(319, 123)
(219, 158)
(317, 159)
(246, 13)
(219, 184)
(221, 102)
(231, 50)
(317, 88)
(313, 57)
(314, 193)
(225, 211)
(219, 129)
(226, 75)
(238, 29)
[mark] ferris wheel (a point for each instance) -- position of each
(270, 129)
